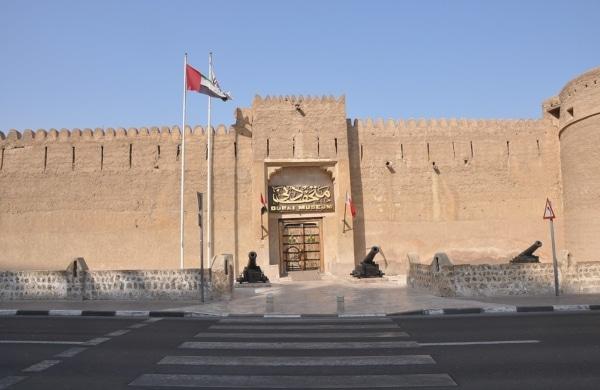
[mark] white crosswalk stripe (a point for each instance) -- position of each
(312, 343)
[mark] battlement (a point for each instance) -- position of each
(310, 101)
(164, 133)
(411, 127)
(589, 79)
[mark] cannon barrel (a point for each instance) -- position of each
(529, 251)
(252, 259)
(371, 255)
(527, 255)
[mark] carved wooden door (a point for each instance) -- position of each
(300, 243)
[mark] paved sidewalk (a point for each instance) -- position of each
(316, 297)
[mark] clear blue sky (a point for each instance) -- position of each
(117, 63)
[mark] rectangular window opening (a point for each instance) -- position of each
(267, 147)
(178, 152)
(72, 158)
(318, 147)
(361, 152)
(507, 148)
(537, 141)
(472, 154)
(402, 151)
(45, 157)
(428, 156)
(130, 155)
(453, 150)
(335, 144)
(101, 157)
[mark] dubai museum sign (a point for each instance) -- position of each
(301, 199)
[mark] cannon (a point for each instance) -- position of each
(527, 255)
(252, 272)
(368, 268)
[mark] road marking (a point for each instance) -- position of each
(282, 316)
(305, 327)
(42, 342)
(298, 345)
(359, 315)
(70, 352)
(137, 326)
(41, 366)
(301, 335)
(97, 340)
(295, 382)
(10, 380)
(307, 320)
(500, 309)
(120, 332)
(132, 313)
(153, 319)
(9, 312)
(64, 312)
(571, 307)
(479, 343)
(283, 361)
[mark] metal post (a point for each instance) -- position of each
(340, 304)
(181, 225)
(199, 195)
(554, 261)
(209, 179)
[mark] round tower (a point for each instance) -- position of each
(579, 135)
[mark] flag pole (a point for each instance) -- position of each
(210, 171)
(182, 163)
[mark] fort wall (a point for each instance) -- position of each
(578, 111)
(110, 196)
(474, 188)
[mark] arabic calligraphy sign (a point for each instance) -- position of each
(301, 199)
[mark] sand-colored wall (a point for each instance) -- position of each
(475, 189)
(580, 157)
(109, 196)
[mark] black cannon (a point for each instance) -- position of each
(527, 255)
(252, 272)
(368, 268)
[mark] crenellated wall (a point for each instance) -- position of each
(471, 187)
(110, 196)
(578, 111)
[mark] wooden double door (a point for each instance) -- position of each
(301, 245)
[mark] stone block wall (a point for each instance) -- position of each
(33, 285)
(504, 279)
(121, 284)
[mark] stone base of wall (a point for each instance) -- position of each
(133, 284)
(504, 279)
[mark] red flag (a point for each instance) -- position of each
(197, 82)
(350, 205)
(263, 203)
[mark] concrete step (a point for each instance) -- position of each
(304, 276)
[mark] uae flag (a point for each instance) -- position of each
(196, 81)
(350, 205)
(263, 204)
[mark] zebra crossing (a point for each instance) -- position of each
(298, 353)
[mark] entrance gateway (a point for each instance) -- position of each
(300, 245)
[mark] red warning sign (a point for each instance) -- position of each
(548, 212)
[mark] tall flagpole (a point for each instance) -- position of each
(182, 162)
(209, 200)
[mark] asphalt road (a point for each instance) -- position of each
(523, 351)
